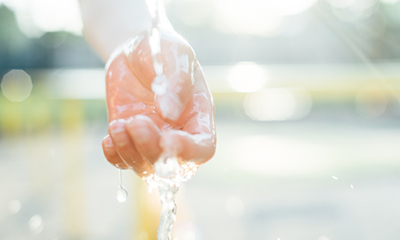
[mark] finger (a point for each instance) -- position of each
(198, 148)
(197, 139)
(111, 154)
(126, 95)
(146, 137)
(126, 148)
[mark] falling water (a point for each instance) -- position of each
(169, 173)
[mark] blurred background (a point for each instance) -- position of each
(307, 111)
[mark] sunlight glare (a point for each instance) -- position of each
(253, 17)
(277, 104)
(341, 3)
(389, 2)
(279, 156)
(36, 17)
(291, 7)
(247, 77)
(371, 102)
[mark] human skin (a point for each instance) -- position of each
(143, 126)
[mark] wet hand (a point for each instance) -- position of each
(143, 126)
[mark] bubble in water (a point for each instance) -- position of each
(122, 194)
(14, 206)
(159, 85)
(16, 85)
(36, 224)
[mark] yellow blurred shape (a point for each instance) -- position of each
(11, 117)
(16, 85)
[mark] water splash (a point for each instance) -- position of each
(167, 178)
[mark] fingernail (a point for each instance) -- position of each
(139, 127)
(170, 106)
(108, 142)
(117, 126)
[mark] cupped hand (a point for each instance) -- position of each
(144, 126)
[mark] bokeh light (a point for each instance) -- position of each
(36, 17)
(352, 10)
(341, 3)
(279, 156)
(246, 17)
(389, 2)
(36, 224)
(371, 102)
(277, 104)
(256, 17)
(291, 7)
(16, 85)
(234, 206)
(14, 206)
(247, 77)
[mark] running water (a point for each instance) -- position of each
(169, 173)
(160, 82)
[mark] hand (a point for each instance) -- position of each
(143, 126)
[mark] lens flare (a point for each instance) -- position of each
(16, 85)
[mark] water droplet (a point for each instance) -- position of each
(334, 177)
(14, 206)
(36, 224)
(122, 194)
